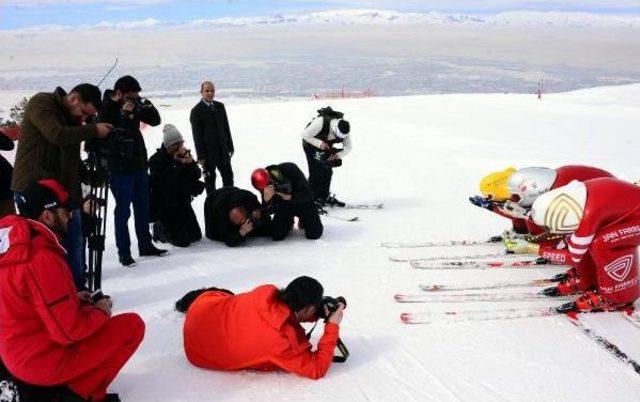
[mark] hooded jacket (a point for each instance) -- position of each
(256, 331)
(40, 313)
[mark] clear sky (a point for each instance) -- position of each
(24, 13)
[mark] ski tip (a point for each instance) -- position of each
(399, 296)
(431, 288)
(405, 317)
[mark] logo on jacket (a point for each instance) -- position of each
(5, 243)
(619, 268)
(563, 215)
(9, 392)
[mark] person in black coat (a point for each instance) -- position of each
(174, 182)
(232, 214)
(6, 172)
(286, 194)
(125, 109)
(212, 137)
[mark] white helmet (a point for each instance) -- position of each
(561, 209)
(529, 183)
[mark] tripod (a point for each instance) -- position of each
(98, 168)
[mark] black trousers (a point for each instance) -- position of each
(308, 215)
(319, 173)
(181, 227)
(224, 167)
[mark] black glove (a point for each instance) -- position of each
(482, 202)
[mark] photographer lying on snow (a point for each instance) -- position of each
(260, 329)
(232, 214)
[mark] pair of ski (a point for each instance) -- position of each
(506, 314)
(328, 212)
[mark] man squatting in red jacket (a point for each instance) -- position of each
(50, 335)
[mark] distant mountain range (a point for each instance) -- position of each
(381, 17)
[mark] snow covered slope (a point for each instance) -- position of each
(423, 156)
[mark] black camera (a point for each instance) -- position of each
(255, 222)
(97, 296)
(118, 144)
(283, 187)
(323, 157)
(331, 304)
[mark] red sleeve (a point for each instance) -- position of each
(298, 357)
(56, 300)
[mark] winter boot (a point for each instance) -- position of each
(571, 273)
(127, 261)
(594, 301)
(567, 287)
(158, 233)
(332, 201)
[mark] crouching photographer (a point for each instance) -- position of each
(261, 329)
(286, 193)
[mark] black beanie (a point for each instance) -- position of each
(127, 84)
(344, 126)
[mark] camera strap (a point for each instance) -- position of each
(342, 348)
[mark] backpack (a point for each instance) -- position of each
(327, 114)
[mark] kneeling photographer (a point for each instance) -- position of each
(286, 193)
(261, 329)
(232, 214)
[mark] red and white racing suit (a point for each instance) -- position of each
(604, 247)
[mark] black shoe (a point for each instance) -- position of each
(153, 251)
(158, 233)
(127, 261)
(332, 201)
(111, 398)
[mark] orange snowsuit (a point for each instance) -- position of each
(255, 331)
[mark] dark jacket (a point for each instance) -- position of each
(172, 184)
(292, 176)
(135, 157)
(216, 214)
(211, 133)
(49, 146)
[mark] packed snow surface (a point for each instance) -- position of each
(423, 156)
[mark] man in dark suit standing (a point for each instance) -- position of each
(212, 138)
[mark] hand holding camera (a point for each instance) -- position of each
(99, 300)
(269, 192)
(246, 227)
(332, 309)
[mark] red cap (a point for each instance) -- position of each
(260, 179)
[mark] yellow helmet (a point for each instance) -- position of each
(494, 185)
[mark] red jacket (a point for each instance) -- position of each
(40, 313)
(253, 330)
(609, 202)
(565, 175)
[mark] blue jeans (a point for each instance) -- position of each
(127, 189)
(72, 242)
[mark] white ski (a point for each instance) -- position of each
(499, 285)
(474, 297)
(479, 264)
